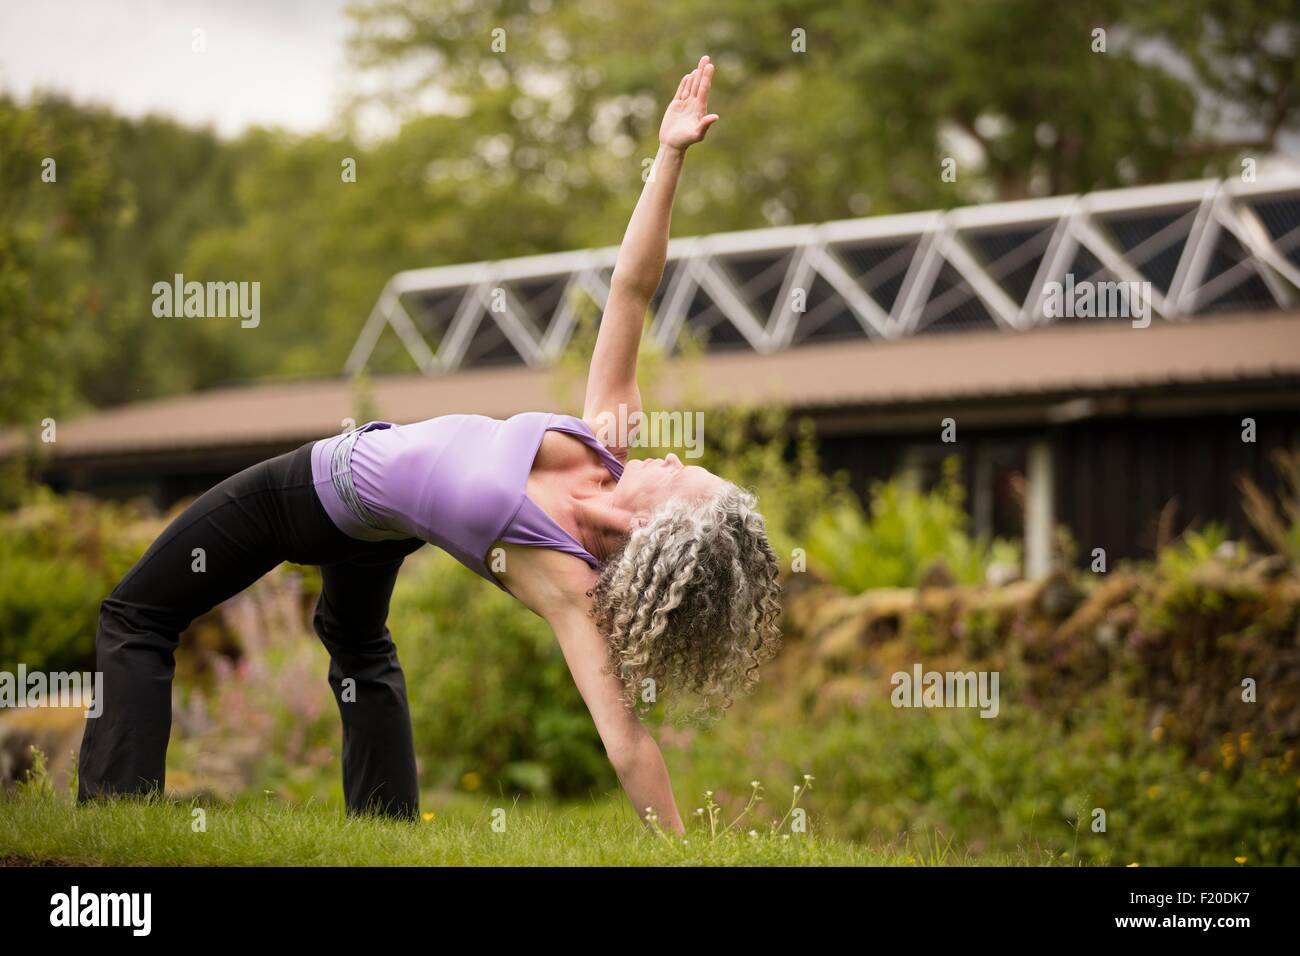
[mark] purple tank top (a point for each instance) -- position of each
(457, 481)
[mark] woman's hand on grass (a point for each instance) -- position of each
(687, 118)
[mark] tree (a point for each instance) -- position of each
(54, 193)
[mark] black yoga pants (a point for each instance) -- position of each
(247, 525)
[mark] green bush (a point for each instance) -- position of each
(48, 609)
(59, 557)
(1018, 782)
(902, 534)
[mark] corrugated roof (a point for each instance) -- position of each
(1087, 357)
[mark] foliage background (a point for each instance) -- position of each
(540, 149)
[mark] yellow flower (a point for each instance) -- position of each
(427, 817)
(471, 781)
(1245, 741)
(1157, 733)
(1153, 792)
(1240, 859)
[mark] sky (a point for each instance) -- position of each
(267, 62)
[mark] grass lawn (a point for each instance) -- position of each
(42, 829)
(274, 833)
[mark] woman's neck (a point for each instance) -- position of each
(602, 525)
(584, 508)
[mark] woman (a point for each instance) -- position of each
(645, 570)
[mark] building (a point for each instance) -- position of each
(1105, 362)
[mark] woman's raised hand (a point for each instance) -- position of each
(687, 118)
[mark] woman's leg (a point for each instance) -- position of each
(351, 619)
(219, 545)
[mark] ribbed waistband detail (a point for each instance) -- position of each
(331, 463)
(341, 476)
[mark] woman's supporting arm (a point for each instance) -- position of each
(611, 381)
(631, 750)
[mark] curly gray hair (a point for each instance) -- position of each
(691, 601)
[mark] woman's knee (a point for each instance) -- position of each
(125, 624)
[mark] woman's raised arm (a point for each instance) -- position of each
(611, 382)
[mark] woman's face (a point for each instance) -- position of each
(648, 483)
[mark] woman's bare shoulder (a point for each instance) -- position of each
(561, 451)
(547, 582)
